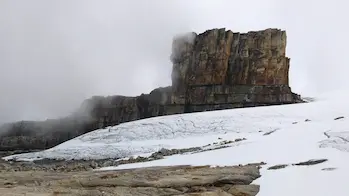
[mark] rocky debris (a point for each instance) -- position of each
(311, 162)
(55, 165)
(308, 99)
(215, 146)
(244, 190)
(305, 163)
(258, 165)
(51, 165)
(217, 69)
(219, 145)
(226, 142)
(275, 167)
(329, 169)
(8, 153)
(155, 181)
(340, 117)
(270, 132)
(166, 152)
(86, 165)
(239, 139)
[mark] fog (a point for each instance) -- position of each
(54, 54)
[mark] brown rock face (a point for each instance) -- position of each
(155, 181)
(222, 69)
(219, 57)
(217, 69)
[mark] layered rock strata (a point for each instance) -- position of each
(217, 69)
(154, 181)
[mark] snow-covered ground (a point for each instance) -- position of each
(301, 132)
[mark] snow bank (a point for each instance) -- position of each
(187, 130)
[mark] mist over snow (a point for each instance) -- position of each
(55, 54)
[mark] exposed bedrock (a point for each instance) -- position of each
(217, 69)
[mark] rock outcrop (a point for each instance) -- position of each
(217, 69)
(154, 181)
(222, 69)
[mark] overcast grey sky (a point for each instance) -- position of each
(55, 53)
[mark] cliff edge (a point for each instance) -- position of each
(217, 69)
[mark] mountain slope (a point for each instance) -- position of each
(286, 134)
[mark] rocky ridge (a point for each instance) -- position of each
(155, 181)
(64, 165)
(217, 69)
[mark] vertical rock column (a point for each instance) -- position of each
(259, 58)
(222, 69)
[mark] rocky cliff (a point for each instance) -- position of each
(217, 69)
(222, 69)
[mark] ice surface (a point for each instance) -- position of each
(295, 139)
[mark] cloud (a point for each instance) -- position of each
(54, 54)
